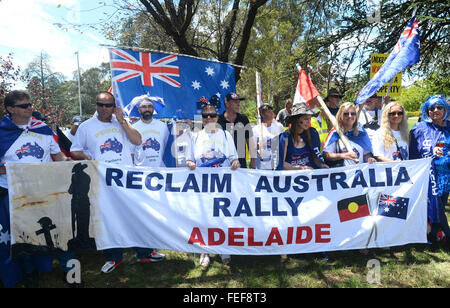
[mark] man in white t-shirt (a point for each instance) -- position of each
(107, 137)
(23, 139)
(263, 134)
(154, 136)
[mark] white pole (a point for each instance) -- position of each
(79, 82)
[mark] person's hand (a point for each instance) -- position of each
(235, 164)
(438, 151)
(191, 165)
(350, 155)
(119, 114)
(371, 160)
(305, 168)
(324, 166)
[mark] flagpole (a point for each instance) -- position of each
(259, 119)
(333, 121)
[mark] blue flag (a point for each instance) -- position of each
(391, 206)
(406, 52)
(174, 82)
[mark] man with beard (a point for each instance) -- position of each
(154, 136)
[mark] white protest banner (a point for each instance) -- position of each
(216, 210)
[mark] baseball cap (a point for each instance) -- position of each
(77, 120)
(233, 96)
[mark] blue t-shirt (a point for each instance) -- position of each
(298, 156)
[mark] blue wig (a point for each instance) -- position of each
(432, 101)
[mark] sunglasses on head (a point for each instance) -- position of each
(109, 105)
(438, 107)
(209, 115)
(24, 106)
(347, 114)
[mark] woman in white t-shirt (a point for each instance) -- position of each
(212, 147)
(263, 134)
(391, 141)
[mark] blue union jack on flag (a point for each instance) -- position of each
(178, 80)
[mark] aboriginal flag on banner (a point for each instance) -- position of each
(352, 208)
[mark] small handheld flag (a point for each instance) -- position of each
(305, 90)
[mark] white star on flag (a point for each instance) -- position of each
(209, 70)
(4, 238)
(196, 85)
(224, 84)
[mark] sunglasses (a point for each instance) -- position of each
(211, 115)
(105, 105)
(24, 106)
(347, 114)
(399, 113)
(438, 107)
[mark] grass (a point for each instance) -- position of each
(411, 122)
(406, 266)
(412, 266)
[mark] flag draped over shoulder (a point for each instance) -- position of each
(305, 90)
(178, 81)
(406, 52)
(362, 139)
(10, 131)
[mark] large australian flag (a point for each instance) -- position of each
(405, 53)
(178, 80)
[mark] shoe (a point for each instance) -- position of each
(204, 260)
(225, 259)
(154, 257)
(110, 266)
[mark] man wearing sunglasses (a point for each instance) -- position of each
(106, 137)
(23, 139)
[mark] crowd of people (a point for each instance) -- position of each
(301, 137)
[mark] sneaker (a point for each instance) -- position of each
(154, 257)
(204, 260)
(110, 266)
(225, 259)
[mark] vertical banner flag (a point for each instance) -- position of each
(305, 90)
(176, 82)
(406, 52)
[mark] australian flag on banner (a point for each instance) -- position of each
(391, 206)
(179, 81)
(406, 52)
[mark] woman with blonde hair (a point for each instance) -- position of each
(391, 141)
(335, 152)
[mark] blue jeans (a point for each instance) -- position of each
(116, 254)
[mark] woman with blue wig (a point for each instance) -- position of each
(431, 138)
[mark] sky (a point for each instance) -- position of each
(27, 28)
